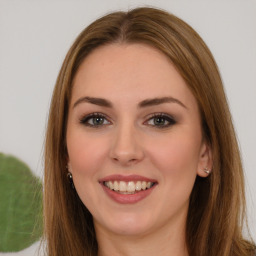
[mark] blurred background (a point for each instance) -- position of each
(35, 36)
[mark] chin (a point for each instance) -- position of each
(127, 225)
(131, 230)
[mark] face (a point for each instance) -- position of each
(134, 140)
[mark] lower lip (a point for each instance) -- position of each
(128, 198)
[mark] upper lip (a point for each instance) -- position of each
(119, 177)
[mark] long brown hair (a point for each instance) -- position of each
(217, 205)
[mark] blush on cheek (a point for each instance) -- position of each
(82, 164)
(84, 151)
(177, 159)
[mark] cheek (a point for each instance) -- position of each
(176, 159)
(86, 157)
(86, 153)
(177, 154)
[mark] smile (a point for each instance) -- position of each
(127, 189)
(130, 187)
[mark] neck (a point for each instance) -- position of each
(164, 241)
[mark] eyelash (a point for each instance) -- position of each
(167, 118)
(85, 120)
(164, 117)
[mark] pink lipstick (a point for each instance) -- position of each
(127, 189)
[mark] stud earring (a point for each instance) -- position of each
(70, 178)
(206, 170)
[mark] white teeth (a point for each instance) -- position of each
(138, 185)
(128, 187)
(111, 185)
(122, 186)
(116, 186)
(144, 185)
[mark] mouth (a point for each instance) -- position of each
(127, 189)
(130, 187)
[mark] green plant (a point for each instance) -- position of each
(20, 205)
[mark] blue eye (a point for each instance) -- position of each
(94, 120)
(161, 121)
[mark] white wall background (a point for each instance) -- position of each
(35, 36)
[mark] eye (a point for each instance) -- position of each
(160, 120)
(94, 120)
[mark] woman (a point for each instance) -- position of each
(141, 155)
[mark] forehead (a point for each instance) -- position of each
(135, 71)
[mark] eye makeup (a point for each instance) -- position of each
(155, 120)
(95, 120)
(160, 120)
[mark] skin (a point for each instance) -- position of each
(130, 141)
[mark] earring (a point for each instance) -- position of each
(206, 170)
(70, 178)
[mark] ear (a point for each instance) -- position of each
(68, 164)
(205, 162)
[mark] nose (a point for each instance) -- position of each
(126, 147)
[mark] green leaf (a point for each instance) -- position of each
(20, 205)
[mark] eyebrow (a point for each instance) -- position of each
(95, 101)
(145, 103)
(158, 101)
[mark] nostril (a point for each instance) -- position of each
(125, 160)
(126, 153)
